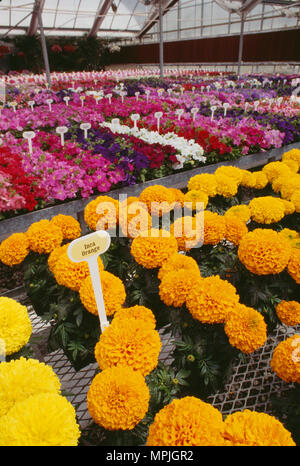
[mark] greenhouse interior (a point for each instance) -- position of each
(149, 225)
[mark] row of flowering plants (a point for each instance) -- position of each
(215, 266)
(136, 130)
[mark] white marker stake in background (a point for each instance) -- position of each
(158, 116)
(87, 249)
(29, 135)
(31, 104)
(49, 102)
(213, 109)
(194, 112)
(147, 92)
(179, 112)
(135, 117)
(62, 130)
(85, 127)
(225, 106)
(14, 106)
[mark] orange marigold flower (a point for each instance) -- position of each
(266, 209)
(71, 274)
(249, 179)
(295, 199)
(251, 428)
(55, 255)
(240, 211)
(274, 169)
(136, 312)
(245, 328)
(178, 262)
(226, 185)
(14, 249)
(159, 199)
(292, 164)
(175, 286)
(179, 196)
(292, 236)
(293, 267)
(264, 252)
(187, 231)
(214, 227)
(288, 312)
(113, 290)
(205, 182)
(278, 182)
(195, 200)
(102, 213)
(133, 218)
(131, 342)
(286, 359)
(69, 226)
(153, 247)
(188, 421)
(293, 154)
(211, 299)
(289, 207)
(289, 186)
(43, 237)
(235, 229)
(118, 398)
(233, 172)
(261, 180)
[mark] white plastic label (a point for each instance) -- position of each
(88, 248)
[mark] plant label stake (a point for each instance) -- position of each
(66, 99)
(14, 106)
(122, 94)
(137, 95)
(256, 104)
(147, 92)
(135, 117)
(169, 91)
(62, 130)
(246, 106)
(179, 112)
(82, 98)
(109, 96)
(31, 104)
(29, 135)
(213, 109)
(87, 249)
(85, 127)
(158, 116)
(49, 102)
(225, 106)
(194, 112)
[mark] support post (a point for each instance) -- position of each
(161, 44)
(44, 47)
(240, 57)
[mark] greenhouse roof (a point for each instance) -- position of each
(117, 18)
